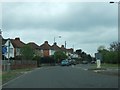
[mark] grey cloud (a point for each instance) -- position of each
(79, 16)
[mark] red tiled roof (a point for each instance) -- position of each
(63, 48)
(4, 41)
(33, 45)
(17, 43)
(70, 50)
(45, 46)
(55, 47)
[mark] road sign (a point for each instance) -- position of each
(4, 49)
(98, 56)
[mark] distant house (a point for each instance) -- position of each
(45, 49)
(14, 46)
(69, 53)
(63, 48)
(75, 55)
(36, 48)
(54, 48)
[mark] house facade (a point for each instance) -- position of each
(13, 47)
(45, 49)
(55, 48)
(35, 47)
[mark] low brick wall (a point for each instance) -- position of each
(19, 64)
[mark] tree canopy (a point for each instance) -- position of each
(27, 52)
(59, 55)
(111, 54)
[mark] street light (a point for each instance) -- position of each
(54, 46)
(114, 2)
(56, 37)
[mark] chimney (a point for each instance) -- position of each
(55, 43)
(62, 46)
(46, 42)
(17, 38)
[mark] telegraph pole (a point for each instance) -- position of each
(65, 47)
(8, 54)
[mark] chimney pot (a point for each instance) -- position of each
(17, 38)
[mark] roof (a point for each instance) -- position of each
(33, 45)
(4, 41)
(63, 48)
(45, 46)
(17, 43)
(55, 47)
(70, 50)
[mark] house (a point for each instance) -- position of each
(69, 52)
(35, 47)
(45, 49)
(55, 48)
(14, 46)
(63, 48)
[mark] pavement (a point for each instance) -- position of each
(102, 70)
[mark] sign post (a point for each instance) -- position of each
(4, 51)
(98, 57)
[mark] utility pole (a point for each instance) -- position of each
(8, 54)
(54, 46)
(65, 47)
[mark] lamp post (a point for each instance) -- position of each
(114, 2)
(65, 47)
(54, 46)
(8, 54)
(56, 37)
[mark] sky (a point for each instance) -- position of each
(83, 25)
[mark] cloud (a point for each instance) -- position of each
(84, 25)
(59, 16)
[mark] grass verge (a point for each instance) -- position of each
(6, 76)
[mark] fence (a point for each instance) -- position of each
(18, 64)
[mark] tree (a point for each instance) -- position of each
(59, 55)
(112, 54)
(115, 46)
(100, 48)
(27, 52)
(79, 51)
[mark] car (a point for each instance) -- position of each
(92, 62)
(84, 62)
(73, 62)
(65, 63)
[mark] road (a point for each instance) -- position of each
(63, 77)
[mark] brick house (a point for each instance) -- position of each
(54, 48)
(45, 49)
(35, 47)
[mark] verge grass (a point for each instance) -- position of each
(9, 75)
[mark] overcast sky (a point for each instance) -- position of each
(83, 25)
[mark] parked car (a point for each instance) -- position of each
(73, 62)
(84, 62)
(92, 62)
(65, 63)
